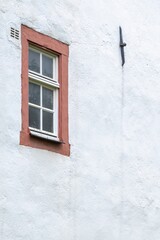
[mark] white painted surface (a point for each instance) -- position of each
(109, 188)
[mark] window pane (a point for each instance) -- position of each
(34, 93)
(47, 121)
(34, 61)
(34, 117)
(47, 98)
(47, 66)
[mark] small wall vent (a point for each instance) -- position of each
(14, 33)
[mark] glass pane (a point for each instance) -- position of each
(47, 66)
(34, 93)
(34, 61)
(47, 121)
(34, 117)
(47, 98)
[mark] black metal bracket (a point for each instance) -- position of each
(122, 45)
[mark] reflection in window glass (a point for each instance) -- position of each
(47, 66)
(47, 98)
(34, 93)
(48, 121)
(34, 117)
(34, 61)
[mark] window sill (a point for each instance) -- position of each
(45, 136)
(61, 147)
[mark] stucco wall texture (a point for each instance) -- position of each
(109, 187)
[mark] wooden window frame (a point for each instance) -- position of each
(44, 42)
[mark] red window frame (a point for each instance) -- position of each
(30, 36)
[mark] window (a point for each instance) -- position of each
(44, 92)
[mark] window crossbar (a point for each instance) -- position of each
(40, 107)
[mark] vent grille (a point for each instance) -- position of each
(14, 33)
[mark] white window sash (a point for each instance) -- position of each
(51, 84)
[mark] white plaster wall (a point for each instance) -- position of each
(109, 187)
